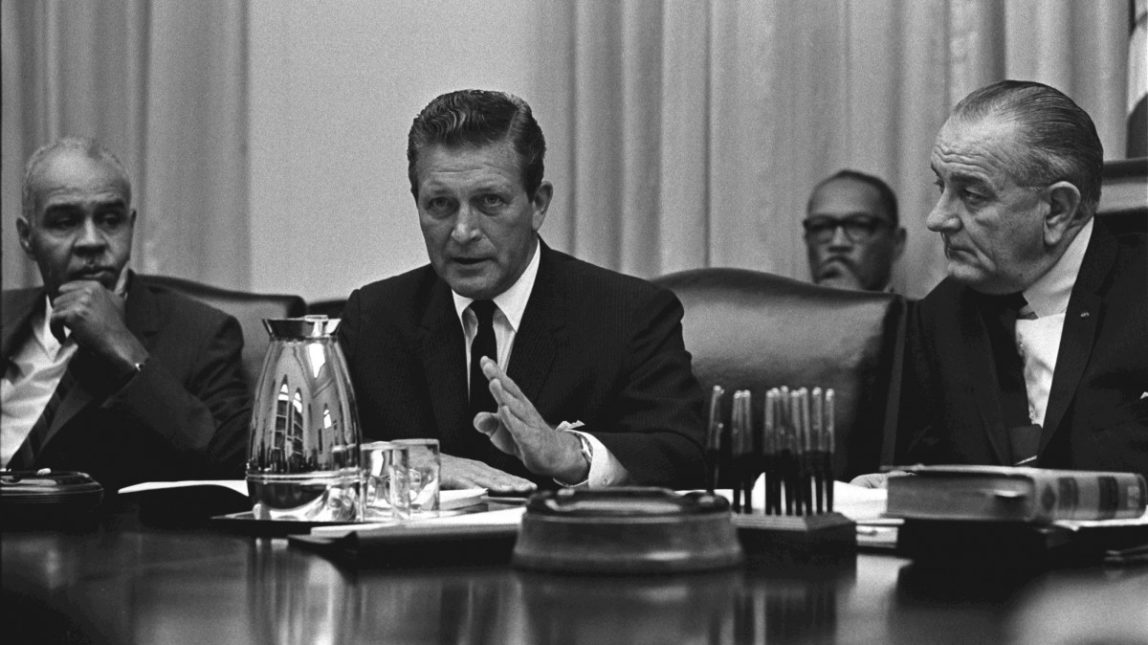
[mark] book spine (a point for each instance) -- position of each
(1065, 495)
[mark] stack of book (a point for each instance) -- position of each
(995, 515)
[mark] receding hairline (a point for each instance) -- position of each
(83, 147)
(886, 197)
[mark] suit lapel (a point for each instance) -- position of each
(541, 331)
(142, 318)
(982, 375)
(1080, 324)
(19, 307)
(444, 355)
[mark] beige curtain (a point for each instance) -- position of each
(162, 84)
(694, 131)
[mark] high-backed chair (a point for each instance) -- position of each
(248, 308)
(753, 330)
(331, 307)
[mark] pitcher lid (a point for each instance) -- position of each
(311, 326)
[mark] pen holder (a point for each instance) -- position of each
(768, 538)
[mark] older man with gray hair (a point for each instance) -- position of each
(103, 373)
(1034, 349)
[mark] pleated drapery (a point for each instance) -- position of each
(698, 129)
(163, 85)
(683, 133)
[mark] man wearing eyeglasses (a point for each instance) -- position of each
(852, 232)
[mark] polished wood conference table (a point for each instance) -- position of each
(126, 582)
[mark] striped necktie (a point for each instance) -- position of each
(35, 439)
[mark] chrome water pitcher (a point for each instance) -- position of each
(303, 454)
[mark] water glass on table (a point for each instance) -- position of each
(425, 464)
(386, 482)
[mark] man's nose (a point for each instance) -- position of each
(90, 236)
(840, 237)
(943, 217)
(466, 224)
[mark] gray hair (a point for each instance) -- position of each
(88, 147)
(1059, 140)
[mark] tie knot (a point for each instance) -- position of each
(484, 311)
(1008, 301)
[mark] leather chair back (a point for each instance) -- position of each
(331, 307)
(248, 308)
(753, 330)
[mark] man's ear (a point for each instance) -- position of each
(24, 230)
(541, 202)
(1064, 213)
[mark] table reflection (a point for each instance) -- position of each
(144, 585)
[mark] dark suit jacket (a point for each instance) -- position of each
(1096, 416)
(184, 416)
(593, 346)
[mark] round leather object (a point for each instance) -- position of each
(626, 530)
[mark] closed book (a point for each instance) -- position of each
(1014, 494)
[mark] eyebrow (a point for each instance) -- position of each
(813, 214)
(963, 177)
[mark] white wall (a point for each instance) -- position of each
(334, 87)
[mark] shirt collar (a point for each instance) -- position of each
(42, 332)
(512, 302)
(1050, 293)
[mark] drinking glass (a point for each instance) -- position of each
(425, 464)
(386, 477)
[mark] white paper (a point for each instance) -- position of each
(237, 485)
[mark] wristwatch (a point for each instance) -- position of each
(587, 450)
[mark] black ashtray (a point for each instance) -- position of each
(48, 499)
(626, 530)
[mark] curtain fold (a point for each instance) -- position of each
(700, 128)
(682, 133)
(162, 85)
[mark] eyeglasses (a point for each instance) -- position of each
(858, 228)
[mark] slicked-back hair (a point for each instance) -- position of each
(479, 118)
(1058, 141)
(885, 195)
(86, 146)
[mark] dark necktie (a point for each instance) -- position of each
(483, 344)
(1023, 434)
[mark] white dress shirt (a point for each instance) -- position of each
(1038, 339)
(29, 382)
(510, 305)
(33, 375)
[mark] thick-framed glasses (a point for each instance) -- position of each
(858, 228)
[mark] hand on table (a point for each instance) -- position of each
(459, 472)
(518, 429)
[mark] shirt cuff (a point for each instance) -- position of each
(605, 469)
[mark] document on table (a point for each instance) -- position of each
(506, 518)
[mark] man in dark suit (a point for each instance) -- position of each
(529, 366)
(102, 373)
(1034, 349)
